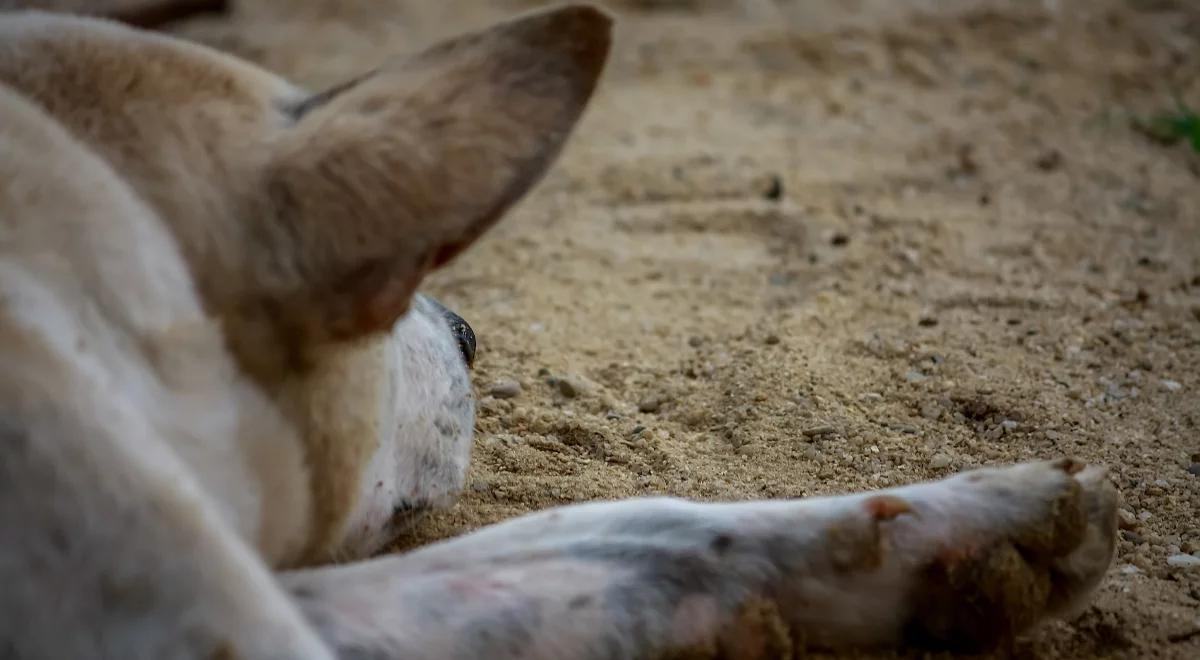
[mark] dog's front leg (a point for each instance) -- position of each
(969, 561)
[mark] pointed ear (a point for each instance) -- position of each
(389, 176)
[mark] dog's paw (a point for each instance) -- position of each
(970, 561)
(1016, 545)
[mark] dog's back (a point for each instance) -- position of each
(114, 381)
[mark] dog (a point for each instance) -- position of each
(222, 393)
(147, 14)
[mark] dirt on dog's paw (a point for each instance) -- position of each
(1013, 546)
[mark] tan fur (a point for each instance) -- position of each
(201, 272)
(116, 395)
(340, 444)
(137, 293)
(304, 230)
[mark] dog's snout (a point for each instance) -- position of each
(461, 330)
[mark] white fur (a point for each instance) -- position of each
(419, 465)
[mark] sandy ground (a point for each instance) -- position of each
(809, 247)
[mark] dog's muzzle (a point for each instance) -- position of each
(462, 332)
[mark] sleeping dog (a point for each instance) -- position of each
(219, 379)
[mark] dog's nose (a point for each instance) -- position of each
(462, 332)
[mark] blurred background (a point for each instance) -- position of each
(802, 247)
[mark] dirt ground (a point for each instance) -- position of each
(808, 247)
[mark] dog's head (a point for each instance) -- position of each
(311, 218)
(308, 220)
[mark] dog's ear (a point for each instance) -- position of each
(388, 176)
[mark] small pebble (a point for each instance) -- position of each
(1048, 161)
(569, 387)
(774, 191)
(931, 410)
(505, 389)
(771, 340)
(1170, 385)
(1132, 537)
(914, 376)
(1183, 561)
(870, 397)
(1009, 425)
(650, 404)
(1130, 569)
(939, 461)
(816, 431)
(1194, 468)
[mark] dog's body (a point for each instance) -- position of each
(214, 367)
